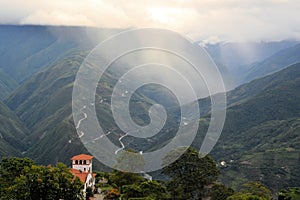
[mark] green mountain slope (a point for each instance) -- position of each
(12, 133)
(268, 152)
(260, 139)
(255, 87)
(7, 85)
(45, 91)
(43, 103)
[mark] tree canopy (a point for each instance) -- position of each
(190, 174)
(20, 178)
(252, 190)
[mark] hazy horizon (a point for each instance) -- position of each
(208, 21)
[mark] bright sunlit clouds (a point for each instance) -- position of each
(162, 15)
(210, 20)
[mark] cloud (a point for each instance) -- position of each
(229, 20)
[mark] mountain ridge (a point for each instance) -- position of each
(274, 63)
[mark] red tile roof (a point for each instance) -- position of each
(81, 175)
(82, 157)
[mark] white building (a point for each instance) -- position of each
(82, 167)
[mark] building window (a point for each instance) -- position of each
(84, 169)
(76, 162)
(84, 162)
(80, 162)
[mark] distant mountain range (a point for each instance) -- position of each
(274, 63)
(234, 55)
(260, 139)
(247, 61)
(27, 49)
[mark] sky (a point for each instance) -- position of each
(206, 20)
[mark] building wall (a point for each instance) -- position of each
(85, 166)
(90, 182)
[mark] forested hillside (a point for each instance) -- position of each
(260, 139)
(12, 133)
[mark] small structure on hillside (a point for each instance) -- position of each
(82, 167)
